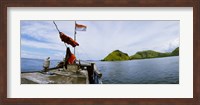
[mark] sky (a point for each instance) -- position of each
(40, 39)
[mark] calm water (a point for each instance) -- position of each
(34, 64)
(147, 71)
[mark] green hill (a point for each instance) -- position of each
(175, 52)
(149, 54)
(116, 55)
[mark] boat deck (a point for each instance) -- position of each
(55, 76)
(74, 74)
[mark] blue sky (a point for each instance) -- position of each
(40, 39)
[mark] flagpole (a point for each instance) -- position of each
(59, 32)
(75, 37)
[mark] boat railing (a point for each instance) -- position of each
(93, 73)
(96, 74)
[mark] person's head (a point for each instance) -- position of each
(48, 58)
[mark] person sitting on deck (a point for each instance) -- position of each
(69, 58)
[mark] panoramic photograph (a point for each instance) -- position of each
(99, 51)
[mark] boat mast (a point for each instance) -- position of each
(74, 36)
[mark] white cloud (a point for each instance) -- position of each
(49, 46)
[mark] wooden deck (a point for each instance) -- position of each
(74, 74)
(55, 77)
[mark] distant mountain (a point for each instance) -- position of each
(116, 55)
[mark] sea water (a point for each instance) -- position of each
(145, 71)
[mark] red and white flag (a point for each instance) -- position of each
(80, 27)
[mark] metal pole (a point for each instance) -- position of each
(56, 27)
(75, 37)
(59, 32)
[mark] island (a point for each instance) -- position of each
(118, 55)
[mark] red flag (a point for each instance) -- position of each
(68, 40)
(80, 27)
